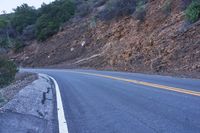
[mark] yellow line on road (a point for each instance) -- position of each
(164, 87)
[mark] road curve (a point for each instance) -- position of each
(95, 103)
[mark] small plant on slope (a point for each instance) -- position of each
(193, 11)
(7, 72)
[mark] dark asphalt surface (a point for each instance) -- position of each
(100, 105)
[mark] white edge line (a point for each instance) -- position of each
(62, 123)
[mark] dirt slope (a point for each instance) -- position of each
(163, 43)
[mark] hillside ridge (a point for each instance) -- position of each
(161, 43)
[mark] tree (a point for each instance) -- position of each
(24, 15)
(59, 10)
(3, 23)
(46, 27)
(7, 71)
(193, 11)
(52, 16)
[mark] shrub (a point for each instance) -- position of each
(93, 23)
(29, 33)
(59, 10)
(18, 45)
(100, 3)
(3, 23)
(84, 9)
(117, 8)
(7, 72)
(46, 27)
(3, 42)
(24, 15)
(167, 7)
(193, 11)
(185, 3)
(27, 23)
(1, 99)
(52, 16)
(14, 43)
(140, 11)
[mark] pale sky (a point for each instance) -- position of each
(9, 5)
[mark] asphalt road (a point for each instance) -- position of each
(95, 102)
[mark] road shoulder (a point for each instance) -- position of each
(32, 109)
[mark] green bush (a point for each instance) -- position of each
(52, 16)
(24, 15)
(184, 4)
(1, 99)
(7, 72)
(84, 9)
(46, 27)
(167, 7)
(140, 11)
(100, 3)
(59, 10)
(4, 42)
(3, 23)
(18, 45)
(117, 8)
(14, 43)
(120, 8)
(27, 23)
(193, 11)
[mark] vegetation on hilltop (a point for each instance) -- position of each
(28, 23)
(193, 11)
(52, 16)
(119, 8)
(24, 15)
(130, 35)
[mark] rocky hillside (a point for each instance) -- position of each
(159, 40)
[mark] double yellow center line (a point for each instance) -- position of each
(158, 86)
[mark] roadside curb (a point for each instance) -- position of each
(62, 123)
(31, 109)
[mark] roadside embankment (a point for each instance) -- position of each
(31, 109)
(22, 79)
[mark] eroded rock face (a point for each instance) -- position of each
(164, 43)
(167, 49)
